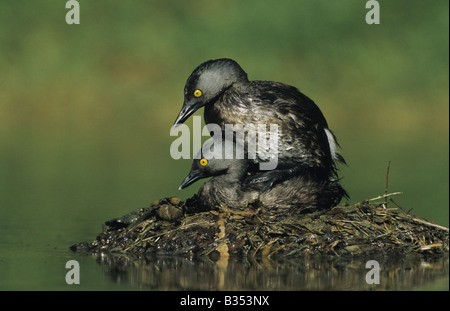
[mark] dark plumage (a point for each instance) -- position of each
(305, 144)
(226, 188)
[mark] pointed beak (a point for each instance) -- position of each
(190, 179)
(188, 109)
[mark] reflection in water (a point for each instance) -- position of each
(306, 273)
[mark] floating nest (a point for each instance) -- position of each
(173, 227)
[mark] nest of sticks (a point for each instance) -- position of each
(173, 227)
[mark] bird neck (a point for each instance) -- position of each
(241, 84)
(237, 171)
(233, 176)
(218, 190)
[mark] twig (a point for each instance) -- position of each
(384, 196)
(387, 183)
(425, 222)
(377, 198)
(406, 212)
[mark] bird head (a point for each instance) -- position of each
(216, 158)
(204, 168)
(207, 83)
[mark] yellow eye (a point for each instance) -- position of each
(197, 93)
(203, 162)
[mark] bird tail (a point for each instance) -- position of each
(333, 193)
(334, 145)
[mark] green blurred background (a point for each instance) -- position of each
(86, 110)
